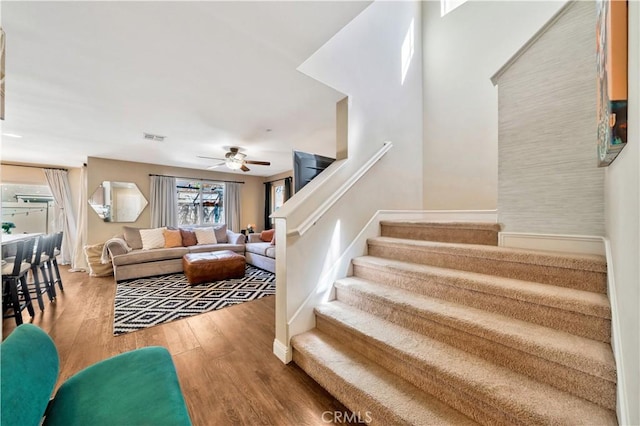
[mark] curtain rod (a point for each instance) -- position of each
(271, 181)
(35, 167)
(197, 178)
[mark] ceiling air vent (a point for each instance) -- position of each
(153, 137)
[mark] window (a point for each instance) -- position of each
(200, 202)
(278, 197)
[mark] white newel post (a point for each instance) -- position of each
(281, 347)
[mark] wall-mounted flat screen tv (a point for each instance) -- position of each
(307, 166)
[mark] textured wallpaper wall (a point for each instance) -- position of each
(548, 181)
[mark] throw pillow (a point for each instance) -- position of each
(132, 237)
(172, 238)
(205, 236)
(273, 240)
(221, 234)
(267, 236)
(188, 237)
(152, 238)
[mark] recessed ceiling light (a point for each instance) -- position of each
(11, 135)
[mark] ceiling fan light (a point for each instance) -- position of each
(233, 163)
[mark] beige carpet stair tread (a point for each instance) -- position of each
(584, 302)
(585, 262)
(586, 355)
(345, 373)
(456, 225)
(506, 390)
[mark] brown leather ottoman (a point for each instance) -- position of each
(213, 266)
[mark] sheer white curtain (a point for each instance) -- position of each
(79, 261)
(163, 201)
(232, 206)
(64, 218)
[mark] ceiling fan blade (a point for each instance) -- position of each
(215, 166)
(210, 158)
(258, 163)
(244, 168)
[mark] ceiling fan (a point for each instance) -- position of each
(234, 159)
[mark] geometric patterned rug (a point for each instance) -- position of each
(146, 302)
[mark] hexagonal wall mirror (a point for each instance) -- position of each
(118, 201)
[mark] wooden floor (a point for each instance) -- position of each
(224, 358)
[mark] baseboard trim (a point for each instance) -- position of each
(622, 406)
(585, 244)
(282, 351)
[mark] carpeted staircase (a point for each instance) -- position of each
(438, 325)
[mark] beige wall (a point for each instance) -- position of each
(24, 175)
(101, 169)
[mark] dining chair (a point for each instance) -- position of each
(15, 292)
(57, 247)
(39, 269)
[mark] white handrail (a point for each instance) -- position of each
(330, 201)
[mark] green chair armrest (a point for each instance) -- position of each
(134, 388)
(29, 366)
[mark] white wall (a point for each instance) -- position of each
(462, 50)
(363, 61)
(622, 215)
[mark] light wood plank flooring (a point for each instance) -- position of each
(227, 370)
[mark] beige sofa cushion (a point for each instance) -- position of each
(143, 256)
(221, 233)
(172, 238)
(271, 251)
(258, 248)
(205, 236)
(132, 237)
(216, 247)
(152, 238)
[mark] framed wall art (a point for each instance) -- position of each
(611, 60)
(2, 43)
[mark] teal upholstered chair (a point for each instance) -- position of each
(134, 388)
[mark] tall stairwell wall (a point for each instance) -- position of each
(622, 186)
(461, 51)
(548, 181)
(365, 61)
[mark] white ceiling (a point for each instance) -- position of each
(88, 78)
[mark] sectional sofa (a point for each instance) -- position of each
(131, 261)
(261, 253)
